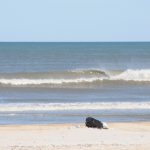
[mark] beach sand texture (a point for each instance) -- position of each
(120, 136)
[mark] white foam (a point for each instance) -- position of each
(133, 75)
(127, 75)
(73, 106)
(45, 81)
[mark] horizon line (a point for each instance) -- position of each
(70, 41)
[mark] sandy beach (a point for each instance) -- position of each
(120, 136)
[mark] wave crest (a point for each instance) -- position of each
(73, 106)
(75, 77)
(133, 75)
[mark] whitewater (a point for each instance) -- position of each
(142, 75)
(18, 107)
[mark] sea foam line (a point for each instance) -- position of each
(45, 81)
(127, 75)
(73, 106)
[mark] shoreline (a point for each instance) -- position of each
(120, 136)
(71, 124)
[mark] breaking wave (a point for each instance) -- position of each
(73, 106)
(74, 76)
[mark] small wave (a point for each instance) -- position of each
(84, 77)
(73, 106)
(60, 74)
(90, 71)
(45, 81)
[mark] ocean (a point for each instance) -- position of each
(65, 82)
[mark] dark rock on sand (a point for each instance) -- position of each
(93, 123)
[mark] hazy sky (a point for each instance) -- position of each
(74, 20)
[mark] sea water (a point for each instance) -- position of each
(67, 82)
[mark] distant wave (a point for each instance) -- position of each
(74, 76)
(73, 106)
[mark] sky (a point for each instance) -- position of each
(74, 20)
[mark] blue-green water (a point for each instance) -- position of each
(66, 82)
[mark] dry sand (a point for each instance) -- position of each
(119, 136)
